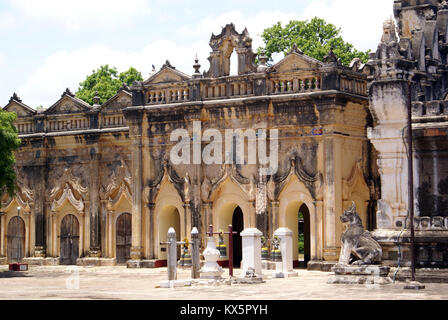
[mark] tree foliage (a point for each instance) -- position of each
(106, 81)
(315, 38)
(9, 141)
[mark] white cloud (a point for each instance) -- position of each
(2, 59)
(67, 69)
(7, 20)
(82, 14)
(360, 20)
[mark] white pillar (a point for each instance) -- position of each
(251, 239)
(286, 247)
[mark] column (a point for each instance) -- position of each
(149, 238)
(95, 241)
(251, 251)
(134, 118)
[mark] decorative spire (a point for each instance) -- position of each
(67, 92)
(96, 99)
(15, 97)
(125, 87)
(263, 59)
(168, 64)
(295, 49)
(196, 66)
(331, 57)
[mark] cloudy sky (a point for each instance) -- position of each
(49, 45)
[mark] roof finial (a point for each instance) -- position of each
(196, 66)
(67, 92)
(96, 99)
(15, 97)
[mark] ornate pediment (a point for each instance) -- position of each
(22, 110)
(68, 104)
(68, 188)
(121, 100)
(167, 74)
(296, 61)
(119, 182)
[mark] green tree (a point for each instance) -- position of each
(9, 141)
(315, 38)
(106, 81)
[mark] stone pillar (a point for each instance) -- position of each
(95, 240)
(2, 234)
(195, 254)
(172, 254)
(332, 196)
(286, 247)
(150, 231)
(274, 213)
(134, 118)
(251, 239)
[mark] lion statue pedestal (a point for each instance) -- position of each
(360, 243)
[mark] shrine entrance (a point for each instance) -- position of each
(69, 240)
(124, 238)
(16, 239)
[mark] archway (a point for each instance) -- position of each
(297, 219)
(69, 240)
(238, 226)
(304, 243)
(16, 239)
(123, 238)
(169, 218)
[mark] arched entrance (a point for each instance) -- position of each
(297, 219)
(16, 239)
(238, 226)
(123, 238)
(304, 244)
(69, 240)
(169, 218)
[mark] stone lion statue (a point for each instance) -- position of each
(357, 241)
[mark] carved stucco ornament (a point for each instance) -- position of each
(69, 188)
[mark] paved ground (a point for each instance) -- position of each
(140, 284)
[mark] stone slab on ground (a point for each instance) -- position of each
(353, 274)
(41, 261)
(324, 266)
(381, 271)
(421, 275)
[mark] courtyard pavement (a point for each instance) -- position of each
(110, 283)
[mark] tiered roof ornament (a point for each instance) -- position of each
(196, 67)
(15, 97)
(67, 92)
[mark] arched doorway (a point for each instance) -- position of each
(69, 240)
(16, 239)
(123, 238)
(169, 218)
(304, 243)
(238, 226)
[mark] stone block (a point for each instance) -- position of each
(425, 223)
(324, 266)
(361, 270)
(433, 108)
(369, 274)
(134, 264)
(417, 109)
(3, 260)
(88, 262)
(438, 223)
(444, 105)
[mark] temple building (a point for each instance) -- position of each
(97, 184)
